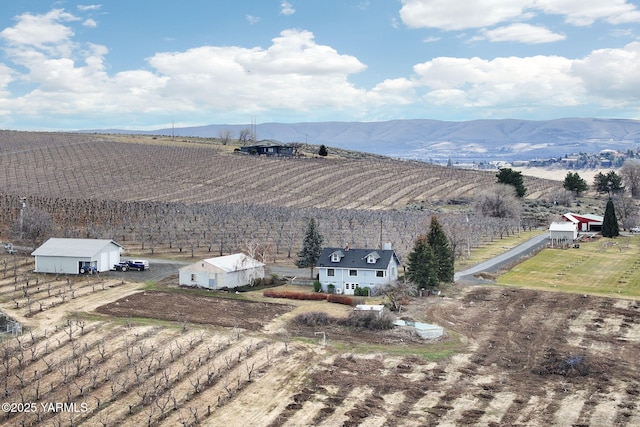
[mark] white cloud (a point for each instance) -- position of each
(286, 8)
(252, 20)
(293, 73)
(450, 15)
(499, 83)
(585, 12)
(45, 32)
(612, 75)
(89, 7)
(90, 23)
(520, 32)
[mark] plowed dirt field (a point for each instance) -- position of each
(525, 358)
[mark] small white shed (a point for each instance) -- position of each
(562, 233)
(69, 256)
(228, 271)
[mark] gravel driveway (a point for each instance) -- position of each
(158, 269)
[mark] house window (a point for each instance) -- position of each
(353, 272)
(380, 273)
(335, 258)
(331, 272)
(193, 277)
(371, 260)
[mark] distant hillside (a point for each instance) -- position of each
(478, 140)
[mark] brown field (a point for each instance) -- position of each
(164, 358)
(112, 167)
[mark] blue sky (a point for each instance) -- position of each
(144, 64)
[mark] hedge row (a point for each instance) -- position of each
(338, 299)
(273, 293)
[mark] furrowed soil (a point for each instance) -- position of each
(514, 357)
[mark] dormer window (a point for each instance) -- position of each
(373, 257)
(336, 256)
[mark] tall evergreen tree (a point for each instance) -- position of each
(322, 151)
(311, 247)
(442, 251)
(610, 183)
(610, 221)
(512, 177)
(421, 265)
(573, 182)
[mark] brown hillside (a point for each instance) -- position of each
(144, 168)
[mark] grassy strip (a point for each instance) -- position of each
(608, 267)
(491, 249)
(432, 351)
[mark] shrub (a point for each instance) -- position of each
(314, 318)
(273, 293)
(368, 321)
(362, 292)
(317, 286)
(340, 299)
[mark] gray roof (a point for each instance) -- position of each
(72, 247)
(357, 258)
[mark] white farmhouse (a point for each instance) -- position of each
(347, 269)
(228, 271)
(73, 256)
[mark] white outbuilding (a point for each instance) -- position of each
(74, 256)
(228, 271)
(563, 233)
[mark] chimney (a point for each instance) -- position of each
(346, 247)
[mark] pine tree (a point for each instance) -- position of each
(512, 177)
(573, 182)
(322, 151)
(442, 251)
(421, 265)
(311, 247)
(610, 222)
(611, 183)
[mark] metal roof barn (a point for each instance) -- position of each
(228, 271)
(73, 256)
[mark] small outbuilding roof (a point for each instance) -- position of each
(228, 263)
(63, 247)
(563, 226)
(573, 217)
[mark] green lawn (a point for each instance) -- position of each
(603, 267)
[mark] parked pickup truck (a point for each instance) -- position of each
(138, 264)
(121, 266)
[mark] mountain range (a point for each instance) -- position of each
(439, 141)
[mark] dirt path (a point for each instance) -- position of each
(87, 303)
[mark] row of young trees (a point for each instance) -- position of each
(610, 183)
